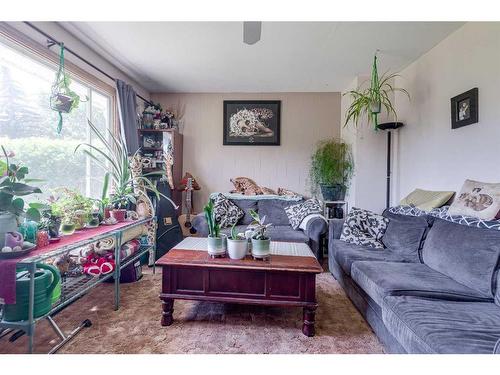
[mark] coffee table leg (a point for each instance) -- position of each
(308, 326)
(168, 309)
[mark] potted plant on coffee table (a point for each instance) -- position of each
(216, 241)
(331, 170)
(237, 244)
(261, 243)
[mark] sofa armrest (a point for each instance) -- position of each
(199, 223)
(316, 228)
(496, 350)
(335, 229)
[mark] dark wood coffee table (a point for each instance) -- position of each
(283, 280)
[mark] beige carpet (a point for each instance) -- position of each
(204, 327)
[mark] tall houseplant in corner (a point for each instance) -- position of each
(332, 167)
(370, 102)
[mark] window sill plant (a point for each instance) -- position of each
(73, 208)
(261, 243)
(216, 240)
(13, 188)
(237, 244)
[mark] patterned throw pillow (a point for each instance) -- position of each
(363, 227)
(299, 212)
(226, 212)
(442, 213)
(477, 199)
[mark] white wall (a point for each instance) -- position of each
(70, 41)
(431, 154)
(306, 118)
(368, 186)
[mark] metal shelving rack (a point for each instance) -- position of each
(75, 287)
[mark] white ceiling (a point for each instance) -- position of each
(291, 56)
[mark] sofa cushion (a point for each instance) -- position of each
(346, 253)
(405, 234)
(424, 325)
(442, 213)
(274, 210)
(467, 254)
(298, 212)
(245, 205)
(426, 199)
(477, 199)
(380, 279)
(226, 212)
(363, 227)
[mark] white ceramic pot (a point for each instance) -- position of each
(217, 245)
(8, 223)
(237, 249)
(261, 248)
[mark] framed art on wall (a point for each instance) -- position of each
(252, 122)
(464, 109)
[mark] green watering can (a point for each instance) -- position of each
(47, 277)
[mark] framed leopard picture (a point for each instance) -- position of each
(252, 122)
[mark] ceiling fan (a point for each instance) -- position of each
(251, 32)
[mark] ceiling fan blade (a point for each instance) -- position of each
(251, 32)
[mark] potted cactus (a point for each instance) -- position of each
(261, 243)
(216, 240)
(237, 244)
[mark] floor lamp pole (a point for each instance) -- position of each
(389, 126)
(388, 189)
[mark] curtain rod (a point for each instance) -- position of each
(52, 41)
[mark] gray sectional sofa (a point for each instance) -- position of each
(274, 210)
(435, 288)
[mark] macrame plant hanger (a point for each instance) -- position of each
(375, 93)
(62, 98)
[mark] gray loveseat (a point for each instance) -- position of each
(274, 210)
(435, 288)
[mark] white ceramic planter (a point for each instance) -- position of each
(8, 223)
(261, 248)
(237, 249)
(217, 245)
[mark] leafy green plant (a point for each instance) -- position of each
(331, 164)
(258, 227)
(369, 102)
(13, 186)
(114, 159)
(70, 204)
(213, 225)
(235, 235)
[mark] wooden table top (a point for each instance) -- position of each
(198, 258)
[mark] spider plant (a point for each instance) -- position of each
(114, 159)
(370, 102)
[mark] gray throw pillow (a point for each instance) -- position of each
(299, 212)
(365, 228)
(226, 212)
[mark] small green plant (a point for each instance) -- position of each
(213, 225)
(369, 102)
(258, 227)
(332, 164)
(235, 235)
(13, 186)
(70, 205)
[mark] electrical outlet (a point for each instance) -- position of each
(167, 221)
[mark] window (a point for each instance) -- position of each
(28, 125)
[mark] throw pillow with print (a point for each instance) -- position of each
(363, 227)
(299, 212)
(477, 199)
(226, 212)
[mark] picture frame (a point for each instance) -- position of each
(251, 122)
(465, 109)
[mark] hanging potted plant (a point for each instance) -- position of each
(62, 98)
(332, 167)
(370, 102)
